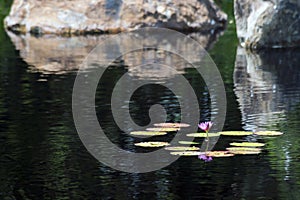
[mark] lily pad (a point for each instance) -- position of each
(203, 135)
(268, 133)
(148, 133)
(152, 144)
(247, 144)
(187, 142)
(219, 154)
(162, 129)
(182, 148)
(172, 125)
(236, 133)
(186, 153)
(243, 150)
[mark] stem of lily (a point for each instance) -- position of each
(207, 140)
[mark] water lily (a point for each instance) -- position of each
(205, 126)
(205, 158)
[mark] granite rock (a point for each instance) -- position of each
(112, 16)
(268, 23)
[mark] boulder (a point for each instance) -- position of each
(267, 23)
(112, 16)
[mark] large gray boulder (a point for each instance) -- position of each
(111, 16)
(268, 23)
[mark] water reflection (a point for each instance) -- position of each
(56, 55)
(268, 91)
(43, 158)
(267, 86)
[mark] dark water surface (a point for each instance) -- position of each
(42, 156)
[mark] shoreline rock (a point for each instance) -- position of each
(79, 17)
(267, 23)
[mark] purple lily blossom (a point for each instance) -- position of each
(205, 126)
(205, 158)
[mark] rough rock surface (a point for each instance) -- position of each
(111, 16)
(268, 23)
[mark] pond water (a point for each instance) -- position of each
(42, 156)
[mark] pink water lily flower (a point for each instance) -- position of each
(205, 126)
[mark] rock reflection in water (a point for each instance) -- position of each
(56, 55)
(266, 85)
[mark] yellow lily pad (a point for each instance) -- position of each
(219, 154)
(247, 144)
(186, 153)
(152, 144)
(236, 133)
(162, 129)
(187, 142)
(268, 133)
(148, 133)
(182, 148)
(172, 125)
(244, 150)
(203, 135)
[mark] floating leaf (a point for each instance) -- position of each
(186, 153)
(187, 142)
(247, 144)
(182, 148)
(152, 144)
(219, 154)
(172, 125)
(236, 133)
(243, 150)
(268, 133)
(148, 133)
(203, 134)
(163, 129)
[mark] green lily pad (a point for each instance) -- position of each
(172, 125)
(203, 135)
(182, 148)
(187, 142)
(148, 133)
(219, 154)
(243, 150)
(186, 153)
(152, 144)
(162, 129)
(268, 133)
(236, 133)
(247, 144)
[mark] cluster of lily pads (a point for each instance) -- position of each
(241, 148)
